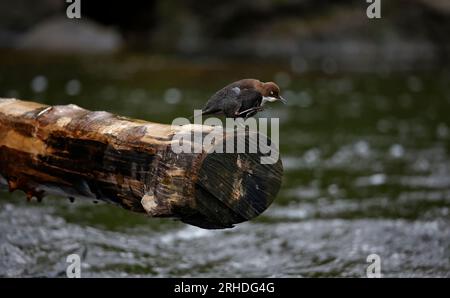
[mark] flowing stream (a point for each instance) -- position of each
(366, 171)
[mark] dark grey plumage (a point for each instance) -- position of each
(233, 101)
(243, 98)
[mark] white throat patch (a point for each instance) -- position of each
(268, 99)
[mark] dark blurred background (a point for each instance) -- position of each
(409, 30)
(364, 138)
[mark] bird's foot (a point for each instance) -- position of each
(254, 109)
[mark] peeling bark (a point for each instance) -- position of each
(73, 152)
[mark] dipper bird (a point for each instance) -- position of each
(242, 98)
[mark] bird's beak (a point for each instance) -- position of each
(282, 99)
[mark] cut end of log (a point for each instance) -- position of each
(233, 188)
(70, 151)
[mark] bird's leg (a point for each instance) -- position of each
(259, 108)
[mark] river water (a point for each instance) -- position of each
(366, 171)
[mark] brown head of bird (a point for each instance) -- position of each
(270, 92)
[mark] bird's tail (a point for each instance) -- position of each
(203, 113)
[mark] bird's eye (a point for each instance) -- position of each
(271, 92)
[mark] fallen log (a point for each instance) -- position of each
(73, 152)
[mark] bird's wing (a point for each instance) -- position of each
(231, 107)
(215, 104)
(249, 98)
(246, 99)
(229, 101)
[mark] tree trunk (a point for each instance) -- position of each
(73, 152)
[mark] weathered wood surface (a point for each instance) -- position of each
(73, 152)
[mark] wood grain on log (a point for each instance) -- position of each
(70, 151)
